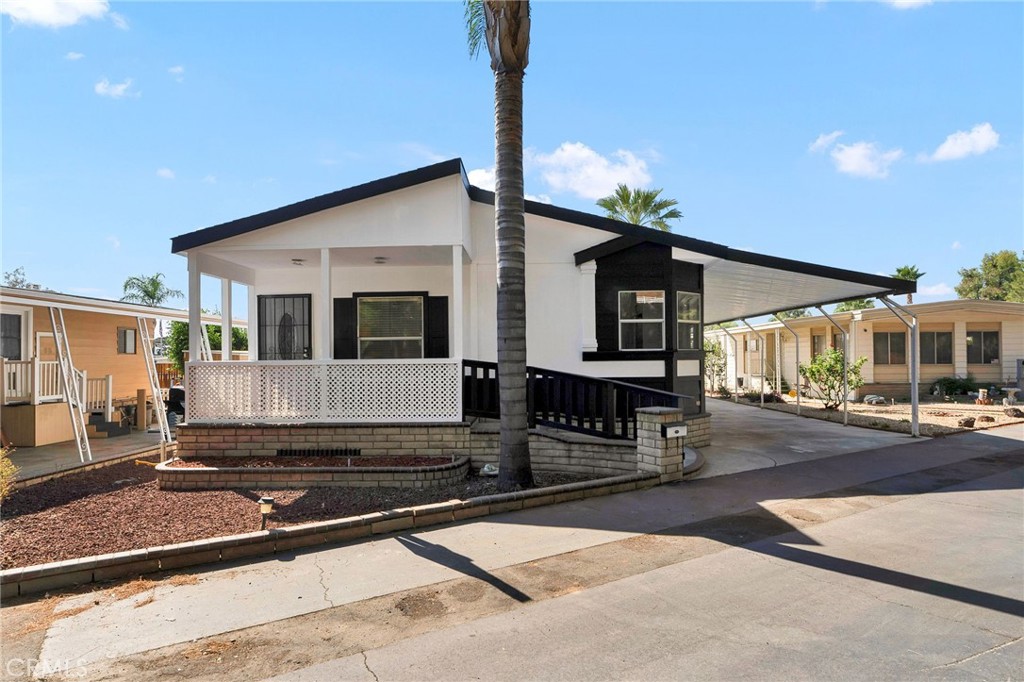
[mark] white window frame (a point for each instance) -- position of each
(26, 328)
(697, 322)
(135, 341)
(422, 338)
(661, 321)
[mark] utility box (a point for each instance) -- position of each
(674, 430)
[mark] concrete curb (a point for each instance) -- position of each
(54, 576)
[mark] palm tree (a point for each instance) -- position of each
(149, 291)
(504, 25)
(911, 273)
(640, 207)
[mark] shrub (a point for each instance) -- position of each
(7, 473)
(954, 385)
(755, 397)
(724, 392)
(825, 372)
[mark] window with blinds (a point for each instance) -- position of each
(641, 320)
(390, 327)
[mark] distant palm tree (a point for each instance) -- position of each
(149, 291)
(504, 26)
(911, 273)
(640, 207)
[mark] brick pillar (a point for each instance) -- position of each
(654, 453)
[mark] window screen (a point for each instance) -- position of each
(936, 348)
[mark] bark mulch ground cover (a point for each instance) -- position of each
(307, 461)
(119, 508)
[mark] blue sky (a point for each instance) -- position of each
(859, 135)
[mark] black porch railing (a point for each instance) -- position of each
(600, 407)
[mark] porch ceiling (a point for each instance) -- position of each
(264, 259)
(735, 289)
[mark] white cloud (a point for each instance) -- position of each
(165, 173)
(178, 72)
(981, 138)
(73, 56)
(210, 179)
(484, 179)
(864, 159)
(53, 13)
(907, 4)
(119, 21)
(114, 242)
(423, 151)
(115, 90)
(824, 141)
(956, 246)
(941, 289)
(575, 167)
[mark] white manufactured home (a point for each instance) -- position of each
(377, 304)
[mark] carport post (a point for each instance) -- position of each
(846, 367)
(735, 365)
(760, 353)
(796, 340)
(915, 364)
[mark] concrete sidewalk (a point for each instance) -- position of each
(289, 585)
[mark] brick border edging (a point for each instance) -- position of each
(226, 478)
(45, 577)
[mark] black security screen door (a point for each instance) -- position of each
(285, 327)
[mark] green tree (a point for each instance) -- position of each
(149, 291)
(504, 26)
(640, 207)
(177, 341)
(16, 280)
(791, 314)
(714, 364)
(999, 278)
(856, 304)
(825, 372)
(910, 273)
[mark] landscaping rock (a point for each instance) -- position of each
(1014, 412)
(966, 422)
(986, 418)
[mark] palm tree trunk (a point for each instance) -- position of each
(910, 299)
(510, 231)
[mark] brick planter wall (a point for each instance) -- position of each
(264, 440)
(211, 478)
(698, 430)
(563, 453)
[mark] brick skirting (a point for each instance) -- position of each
(215, 478)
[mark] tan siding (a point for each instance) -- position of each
(1012, 342)
(93, 341)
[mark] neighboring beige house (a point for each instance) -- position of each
(980, 339)
(103, 337)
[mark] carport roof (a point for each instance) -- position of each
(737, 283)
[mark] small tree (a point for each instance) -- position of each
(856, 304)
(1000, 277)
(16, 280)
(825, 372)
(714, 364)
(791, 314)
(177, 341)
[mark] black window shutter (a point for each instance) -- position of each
(436, 333)
(345, 329)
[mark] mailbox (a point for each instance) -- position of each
(674, 430)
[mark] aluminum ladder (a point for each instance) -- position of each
(69, 384)
(154, 383)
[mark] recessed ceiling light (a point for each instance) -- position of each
(380, 260)
(298, 261)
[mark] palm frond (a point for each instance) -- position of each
(476, 26)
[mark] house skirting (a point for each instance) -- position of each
(32, 426)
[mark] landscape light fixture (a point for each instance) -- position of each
(266, 508)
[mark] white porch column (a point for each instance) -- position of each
(458, 312)
(960, 348)
(195, 306)
(253, 320)
(324, 344)
(588, 310)
(225, 320)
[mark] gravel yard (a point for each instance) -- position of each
(119, 508)
(936, 419)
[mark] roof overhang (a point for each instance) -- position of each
(38, 297)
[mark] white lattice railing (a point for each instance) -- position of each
(335, 391)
